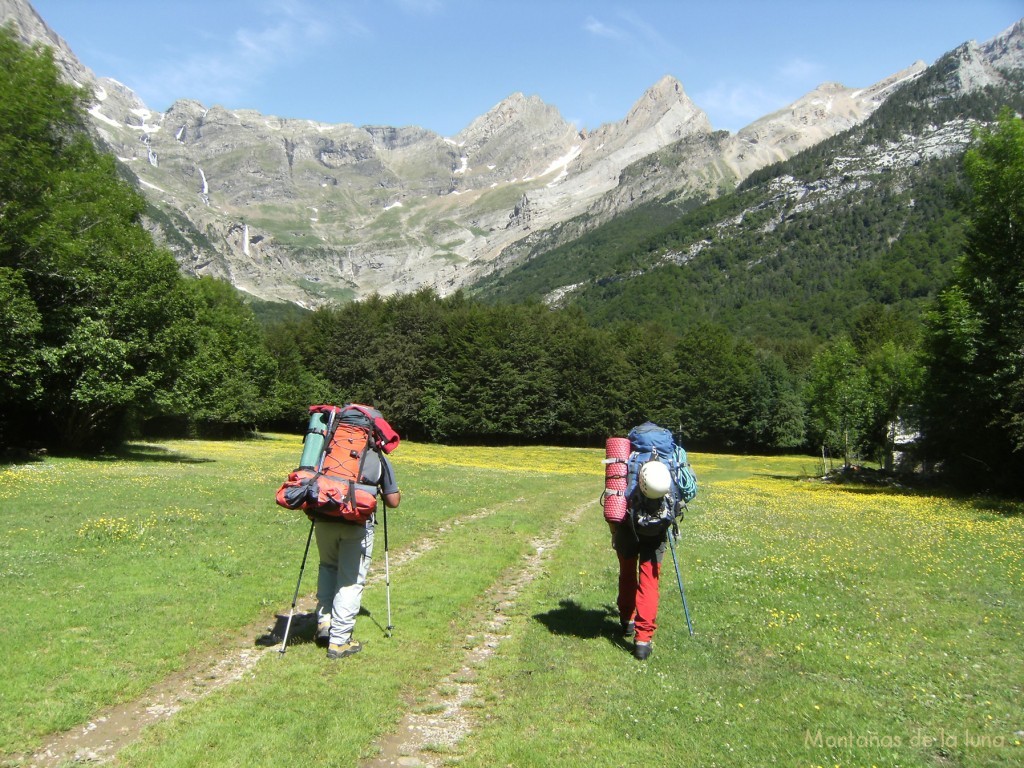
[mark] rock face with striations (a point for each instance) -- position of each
(296, 210)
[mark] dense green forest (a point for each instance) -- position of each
(102, 338)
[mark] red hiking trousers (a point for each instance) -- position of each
(638, 594)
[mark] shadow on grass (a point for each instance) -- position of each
(570, 618)
(141, 452)
(302, 630)
(876, 483)
(1004, 507)
(873, 485)
(150, 452)
(385, 631)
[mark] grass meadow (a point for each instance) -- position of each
(833, 625)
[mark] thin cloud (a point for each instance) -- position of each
(234, 64)
(800, 70)
(638, 35)
(647, 35)
(737, 104)
(600, 29)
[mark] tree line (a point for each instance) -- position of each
(102, 338)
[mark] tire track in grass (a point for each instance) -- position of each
(99, 740)
(428, 735)
(115, 727)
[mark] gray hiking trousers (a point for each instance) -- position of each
(345, 552)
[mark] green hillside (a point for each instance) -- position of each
(871, 216)
(808, 275)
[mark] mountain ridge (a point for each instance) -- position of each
(295, 210)
(869, 217)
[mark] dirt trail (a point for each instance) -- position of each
(99, 740)
(428, 735)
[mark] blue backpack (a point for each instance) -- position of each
(651, 442)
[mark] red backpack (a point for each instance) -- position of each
(330, 482)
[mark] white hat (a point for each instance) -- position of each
(655, 480)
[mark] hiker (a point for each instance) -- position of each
(658, 482)
(342, 471)
(640, 558)
(345, 550)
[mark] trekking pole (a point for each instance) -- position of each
(295, 597)
(387, 572)
(679, 578)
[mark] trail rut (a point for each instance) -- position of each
(430, 732)
(99, 741)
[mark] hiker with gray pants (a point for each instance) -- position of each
(345, 550)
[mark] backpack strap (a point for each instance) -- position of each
(359, 471)
(632, 474)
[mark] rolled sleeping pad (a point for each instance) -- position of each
(614, 508)
(614, 503)
(614, 498)
(615, 467)
(617, 448)
(616, 457)
(316, 437)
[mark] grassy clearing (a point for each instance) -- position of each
(834, 625)
(118, 572)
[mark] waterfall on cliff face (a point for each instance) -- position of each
(245, 239)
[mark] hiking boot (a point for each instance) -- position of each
(642, 651)
(323, 632)
(335, 651)
(628, 628)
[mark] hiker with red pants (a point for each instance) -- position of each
(648, 481)
(640, 558)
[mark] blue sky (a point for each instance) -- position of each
(439, 64)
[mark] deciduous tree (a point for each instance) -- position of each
(974, 390)
(99, 318)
